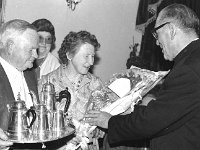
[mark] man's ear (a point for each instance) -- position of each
(172, 31)
(10, 46)
(1, 45)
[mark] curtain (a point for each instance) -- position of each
(2, 10)
(147, 13)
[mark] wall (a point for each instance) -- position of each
(112, 21)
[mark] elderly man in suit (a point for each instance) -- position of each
(18, 44)
(172, 121)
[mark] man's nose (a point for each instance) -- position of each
(157, 42)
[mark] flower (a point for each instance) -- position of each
(110, 99)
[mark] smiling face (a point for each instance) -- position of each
(23, 50)
(83, 59)
(45, 42)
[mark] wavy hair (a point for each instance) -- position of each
(72, 43)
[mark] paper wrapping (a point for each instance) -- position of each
(105, 99)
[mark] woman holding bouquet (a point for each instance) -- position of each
(77, 56)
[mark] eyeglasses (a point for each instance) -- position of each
(47, 40)
(154, 33)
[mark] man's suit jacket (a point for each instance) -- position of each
(173, 120)
(7, 96)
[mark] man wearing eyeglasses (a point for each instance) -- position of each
(172, 121)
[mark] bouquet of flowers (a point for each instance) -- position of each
(121, 92)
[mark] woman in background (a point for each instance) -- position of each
(46, 61)
(77, 56)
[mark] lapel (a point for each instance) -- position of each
(7, 89)
(5, 84)
(31, 80)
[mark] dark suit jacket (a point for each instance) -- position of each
(7, 96)
(173, 120)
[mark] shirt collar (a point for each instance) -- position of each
(9, 69)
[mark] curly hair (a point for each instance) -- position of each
(72, 43)
(47, 26)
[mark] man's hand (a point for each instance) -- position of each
(147, 99)
(98, 118)
(3, 140)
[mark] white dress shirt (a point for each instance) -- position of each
(17, 82)
(50, 64)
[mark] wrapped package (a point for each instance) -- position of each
(121, 92)
(140, 82)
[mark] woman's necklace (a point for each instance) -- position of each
(76, 81)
